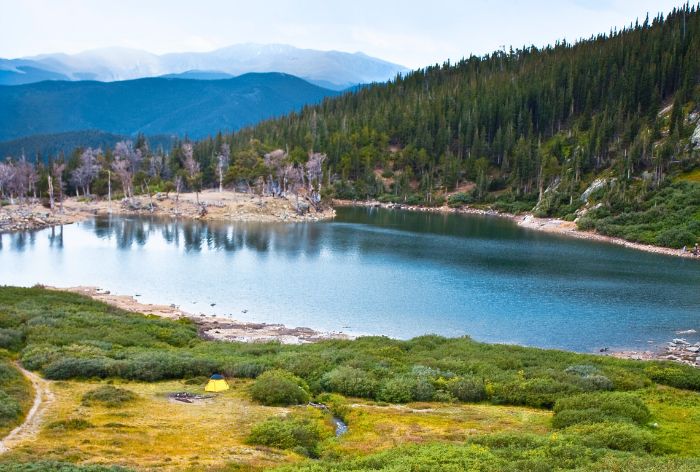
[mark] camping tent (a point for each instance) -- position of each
(217, 383)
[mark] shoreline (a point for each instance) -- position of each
(224, 206)
(211, 327)
(221, 328)
(242, 207)
(526, 221)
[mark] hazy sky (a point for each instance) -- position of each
(410, 32)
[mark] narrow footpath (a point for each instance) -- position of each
(43, 397)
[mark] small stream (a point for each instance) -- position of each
(340, 426)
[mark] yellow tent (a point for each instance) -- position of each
(217, 383)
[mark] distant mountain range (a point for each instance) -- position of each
(329, 69)
(49, 145)
(154, 106)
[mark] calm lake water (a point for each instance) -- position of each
(374, 271)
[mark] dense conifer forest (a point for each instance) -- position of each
(516, 122)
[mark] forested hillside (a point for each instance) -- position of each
(605, 132)
(529, 128)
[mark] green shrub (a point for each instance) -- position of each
(350, 381)
(244, 370)
(157, 365)
(398, 389)
(7, 373)
(10, 410)
(582, 370)
(540, 392)
(676, 237)
(675, 375)
(617, 436)
(585, 223)
(598, 407)
(460, 199)
(423, 391)
(278, 387)
(71, 424)
(301, 435)
(468, 389)
(11, 339)
(70, 368)
(444, 397)
(108, 396)
(596, 382)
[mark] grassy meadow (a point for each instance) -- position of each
(430, 403)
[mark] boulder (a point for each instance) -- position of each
(695, 138)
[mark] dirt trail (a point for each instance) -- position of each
(43, 397)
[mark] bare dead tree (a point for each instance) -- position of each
(126, 163)
(24, 176)
(295, 181)
(87, 170)
(222, 162)
(57, 172)
(314, 173)
(178, 189)
(275, 163)
(32, 177)
(7, 175)
(50, 184)
(191, 167)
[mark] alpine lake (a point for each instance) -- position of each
(378, 272)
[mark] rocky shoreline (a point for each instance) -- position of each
(211, 327)
(678, 350)
(208, 205)
(527, 221)
(221, 328)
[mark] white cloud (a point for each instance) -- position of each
(411, 32)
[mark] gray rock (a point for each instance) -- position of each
(597, 184)
(695, 138)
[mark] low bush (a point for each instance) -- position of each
(676, 237)
(301, 435)
(399, 389)
(675, 375)
(108, 396)
(10, 410)
(459, 199)
(468, 389)
(596, 382)
(244, 370)
(350, 381)
(617, 436)
(278, 387)
(598, 407)
(540, 392)
(71, 424)
(11, 339)
(159, 365)
(70, 368)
